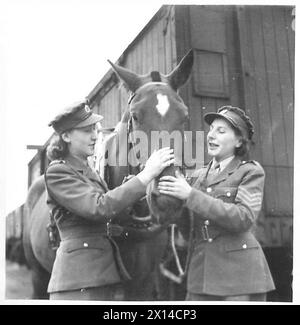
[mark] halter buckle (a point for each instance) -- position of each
(108, 229)
(205, 233)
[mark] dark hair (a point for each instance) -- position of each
(57, 148)
(243, 149)
(245, 146)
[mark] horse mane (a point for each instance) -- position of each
(110, 148)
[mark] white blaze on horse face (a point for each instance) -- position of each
(162, 104)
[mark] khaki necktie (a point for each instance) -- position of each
(213, 172)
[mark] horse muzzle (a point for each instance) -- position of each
(164, 208)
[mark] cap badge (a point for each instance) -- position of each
(87, 109)
(224, 111)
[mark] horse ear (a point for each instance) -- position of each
(132, 81)
(179, 76)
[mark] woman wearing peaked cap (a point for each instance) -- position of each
(225, 198)
(84, 268)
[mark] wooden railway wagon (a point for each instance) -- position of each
(244, 56)
(38, 163)
(13, 234)
(14, 220)
(14, 223)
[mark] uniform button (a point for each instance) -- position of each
(208, 190)
(85, 245)
(210, 240)
(82, 290)
(244, 246)
(206, 222)
(228, 194)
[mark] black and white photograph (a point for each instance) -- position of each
(148, 153)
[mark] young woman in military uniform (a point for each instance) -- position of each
(84, 268)
(225, 197)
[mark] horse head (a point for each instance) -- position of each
(156, 118)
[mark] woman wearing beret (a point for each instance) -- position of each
(84, 268)
(225, 197)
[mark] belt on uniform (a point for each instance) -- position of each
(113, 230)
(108, 229)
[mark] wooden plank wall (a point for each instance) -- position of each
(257, 46)
(210, 30)
(153, 50)
(110, 107)
(267, 55)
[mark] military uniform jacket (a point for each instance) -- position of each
(85, 255)
(227, 259)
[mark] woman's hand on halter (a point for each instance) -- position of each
(157, 162)
(175, 186)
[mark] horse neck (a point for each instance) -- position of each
(118, 145)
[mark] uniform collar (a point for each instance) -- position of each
(223, 164)
(77, 163)
(231, 166)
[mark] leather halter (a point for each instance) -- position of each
(131, 146)
(155, 77)
(163, 269)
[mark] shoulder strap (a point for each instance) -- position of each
(253, 162)
(57, 161)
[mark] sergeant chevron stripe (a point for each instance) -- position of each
(253, 200)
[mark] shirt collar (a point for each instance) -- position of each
(223, 164)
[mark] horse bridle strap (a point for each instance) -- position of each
(131, 142)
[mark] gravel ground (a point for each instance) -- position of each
(18, 281)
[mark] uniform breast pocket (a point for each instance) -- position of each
(226, 194)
